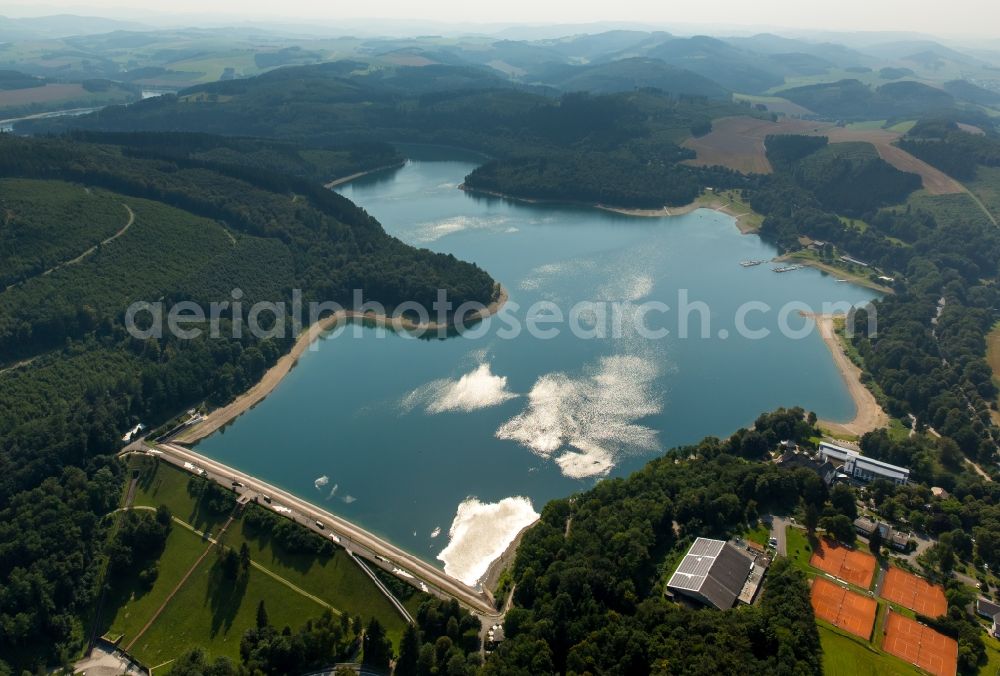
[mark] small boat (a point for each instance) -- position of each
(787, 268)
(751, 263)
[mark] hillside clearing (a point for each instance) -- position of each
(738, 143)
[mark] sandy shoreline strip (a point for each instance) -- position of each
(715, 204)
(868, 415)
(222, 416)
(347, 179)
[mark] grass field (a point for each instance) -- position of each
(903, 127)
(835, 268)
(210, 607)
(336, 579)
(992, 666)
(213, 611)
(134, 607)
(844, 655)
(760, 535)
(799, 549)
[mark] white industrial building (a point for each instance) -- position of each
(860, 467)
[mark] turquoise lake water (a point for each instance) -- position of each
(398, 434)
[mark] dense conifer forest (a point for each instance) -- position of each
(73, 380)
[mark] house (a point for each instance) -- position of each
(866, 527)
(989, 610)
(712, 572)
(899, 540)
(863, 468)
(824, 469)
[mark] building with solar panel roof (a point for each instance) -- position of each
(712, 572)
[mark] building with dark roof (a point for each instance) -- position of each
(866, 527)
(712, 572)
(823, 468)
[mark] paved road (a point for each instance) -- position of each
(353, 538)
(778, 526)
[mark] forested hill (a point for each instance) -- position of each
(590, 576)
(620, 148)
(927, 355)
(90, 228)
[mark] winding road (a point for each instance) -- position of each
(122, 231)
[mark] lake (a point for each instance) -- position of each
(449, 447)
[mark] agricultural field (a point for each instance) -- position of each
(296, 586)
(738, 143)
(58, 96)
(49, 93)
(774, 104)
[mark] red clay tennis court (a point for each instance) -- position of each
(914, 593)
(843, 608)
(920, 645)
(845, 563)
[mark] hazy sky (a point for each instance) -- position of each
(955, 17)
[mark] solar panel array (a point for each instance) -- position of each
(696, 564)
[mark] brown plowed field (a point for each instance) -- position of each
(738, 143)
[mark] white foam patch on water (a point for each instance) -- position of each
(320, 482)
(586, 459)
(349, 499)
(481, 532)
(480, 388)
(333, 491)
(425, 233)
(586, 423)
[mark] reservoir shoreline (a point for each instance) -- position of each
(350, 177)
(427, 413)
(224, 415)
(713, 203)
(869, 414)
